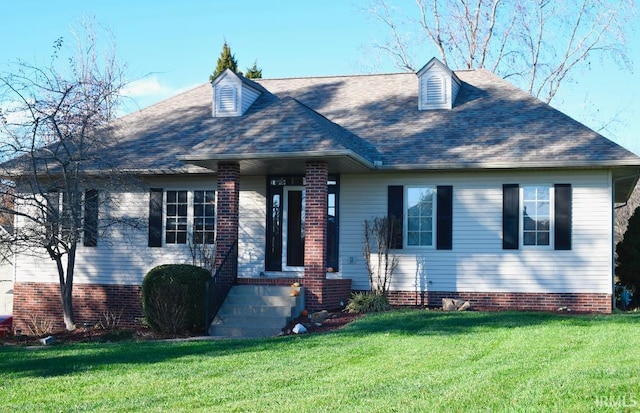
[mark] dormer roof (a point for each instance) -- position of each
(233, 94)
(438, 86)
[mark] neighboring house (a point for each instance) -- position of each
(6, 289)
(504, 201)
(6, 283)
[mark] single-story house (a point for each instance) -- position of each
(501, 199)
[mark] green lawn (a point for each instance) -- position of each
(404, 361)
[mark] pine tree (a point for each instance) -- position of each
(226, 61)
(628, 252)
(254, 72)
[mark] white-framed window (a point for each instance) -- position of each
(189, 216)
(419, 216)
(536, 215)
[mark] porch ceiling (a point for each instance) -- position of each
(285, 163)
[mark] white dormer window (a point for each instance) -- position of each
(232, 94)
(438, 86)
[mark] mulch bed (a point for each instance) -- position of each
(336, 320)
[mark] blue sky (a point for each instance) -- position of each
(171, 46)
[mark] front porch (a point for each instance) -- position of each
(308, 232)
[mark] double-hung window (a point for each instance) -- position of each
(61, 213)
(420, 214)
(181, 217)
(190, 215)
(176, 217)
(537, 215)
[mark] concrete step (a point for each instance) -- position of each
(256, 311)
(223, 331)
(251, 321)
(260, 290)
(273, 300)
(250, 310)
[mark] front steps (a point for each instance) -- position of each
(251, 311)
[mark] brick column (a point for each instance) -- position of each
(227, 209)
(315, 234)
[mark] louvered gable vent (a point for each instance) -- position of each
(227, 98)
(232, 94)
(438, 86)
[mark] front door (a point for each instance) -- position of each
(286, 219)
(293, 228)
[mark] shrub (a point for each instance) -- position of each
(628, 258)
(173, 298)
(368, 302)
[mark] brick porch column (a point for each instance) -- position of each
(227, 209)
(315, 233)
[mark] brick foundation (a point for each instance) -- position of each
(580, 302)
(90, 303)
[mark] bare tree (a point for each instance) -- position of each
(381, 262)
(50, 121)
(540, 44)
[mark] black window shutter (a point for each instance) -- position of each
(563, 212)
(444, 235)
(510, 216)
(90, 218)
(395, 211)
(155, 217)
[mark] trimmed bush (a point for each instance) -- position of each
(173, 298)
(368, 302)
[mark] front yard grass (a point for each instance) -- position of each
(403, 361)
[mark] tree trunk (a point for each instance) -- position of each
(66, 287)
(67, 310)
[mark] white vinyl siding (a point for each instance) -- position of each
(248, 97)
(476, 263)
(122, 255)
(252, 226)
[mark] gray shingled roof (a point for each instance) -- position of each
(375, 117)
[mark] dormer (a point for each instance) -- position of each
(438, 85)
(232, 94)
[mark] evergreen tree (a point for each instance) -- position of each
(628, 255)
(226, 61)
(254, 72)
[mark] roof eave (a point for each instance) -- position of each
(340, 161)
(450, 166)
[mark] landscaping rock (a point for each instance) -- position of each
(453, 304)
(448, 304)
(319, 317)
